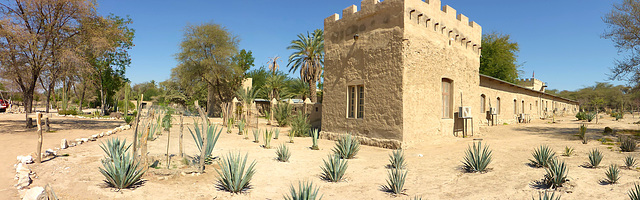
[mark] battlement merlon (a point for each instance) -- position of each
(429, 10)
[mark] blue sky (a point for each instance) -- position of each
(559, 40)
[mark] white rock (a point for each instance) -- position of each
(50, 152)
(101, 135)
(64, 144)
(25, 159)
(78, 141)
(34, 193)
(93, 137)
(22, 174)
(85, 140)
(109, 132)
(73, 144)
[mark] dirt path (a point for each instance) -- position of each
(434, 167)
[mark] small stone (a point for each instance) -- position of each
(73, 144)
(34, 194)
(63, 144)
(101, 134)
(93, 137)
(85, 140)
(78, 141)
(25, 159)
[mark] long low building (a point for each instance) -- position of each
(398, 72)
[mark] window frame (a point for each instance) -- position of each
(447, 98)
(355, 101)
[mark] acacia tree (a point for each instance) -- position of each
(206, 55)
(31, 33)
(499, 59)
(308, 57)
(624, 27)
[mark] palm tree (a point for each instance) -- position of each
(247, 97)
(273, 64)
(297, 88)
(308, 57)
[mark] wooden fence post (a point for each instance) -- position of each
(39, 151)
(204, 136)
(181, 130)
(135, 132)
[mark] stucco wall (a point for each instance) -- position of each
(374, 60)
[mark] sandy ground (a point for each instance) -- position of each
(436, 174)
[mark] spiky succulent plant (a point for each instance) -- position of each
(305, 191)
(283, 153)
(347, 147)
(334, 169)
(477, 158)
(542, 156)
(595, 157)
(234, 174)
(395, 181)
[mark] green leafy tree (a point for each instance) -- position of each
(244, 59)
(308, 59)
(206, 55)
(623, 24)
(499, 59)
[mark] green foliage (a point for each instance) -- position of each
(154, 127)
(308, 58)
(347, 146)
(630, 161)
(277, 133)
(396, 159)
(395, 181)
(268, 135)
(582, 131)
(283, 153)
(334, 169)
(612, 174)
(291, 135)
(595, 157)
(212, 132)
(590, 116)
(556, 174)
(542, 156)
(234, 175)
(120, 168)
(499, 59)
(256, 135)
(305, 191)
(68, 112)
(568, 151)
(230, 122)
(627, 144)
(241, 126)
(477, 158)
(546, 196)
(128, 119)
(167, 120)
(617, 115)
(315, 133)
(244, 59)
(282, 113)
(300, 125)
(581, 115)
(607, 131)
(634, 194)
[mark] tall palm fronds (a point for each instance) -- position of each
(308, 58)
(297, 88)
(273, 64)
(276, 86)
(247, 97)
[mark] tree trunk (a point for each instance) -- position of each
(210, 100)
(312, 91)
(181, 129)
(102, 101)
(168, 139)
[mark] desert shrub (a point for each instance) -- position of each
(634, 194)
(154, 127)
(595, 157)
(212, 134)
(396, 159)
(241, 125)
(617, 115)
(291, 135)
(315, 133)
(556, 174)
(300, 125)
(395, 180)
(283, 153)
(256, 135)
(581, 115)
(590, 116)
(612, 174)
(607, 131)
(545, 196)
(121, 170)
(334, 169)
(582, 131)
(268, 135)
(477, 158)
(282, 113)
(568, 151)
(347, 147)
(630, 161)
(230, 122)
(234, 174)
(305, 191)
(542, 156)
(627, 144)
(128, 119)
(67, 112)
(277, 133)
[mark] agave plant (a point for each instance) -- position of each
(305, 191)
(292, 134)
(234, 174)
(556, 174)
(256, 136)
(395, 181)
(283, 153)
(230, 122)
(241, 125)
(595, 156)
(582, 134)
(630, 161)
(627, 144)
(396, 159)
(568, 151)
(120, 170)
(267, 138)
(283, 114)
(347, 146)
(153, 128)
(315, 133)
(634, 194)
(300, 125)
(612, 174)
(212, 134)
(542, 156)
(546, 196)
(334, 169)
(277, 133)
(477, 158)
